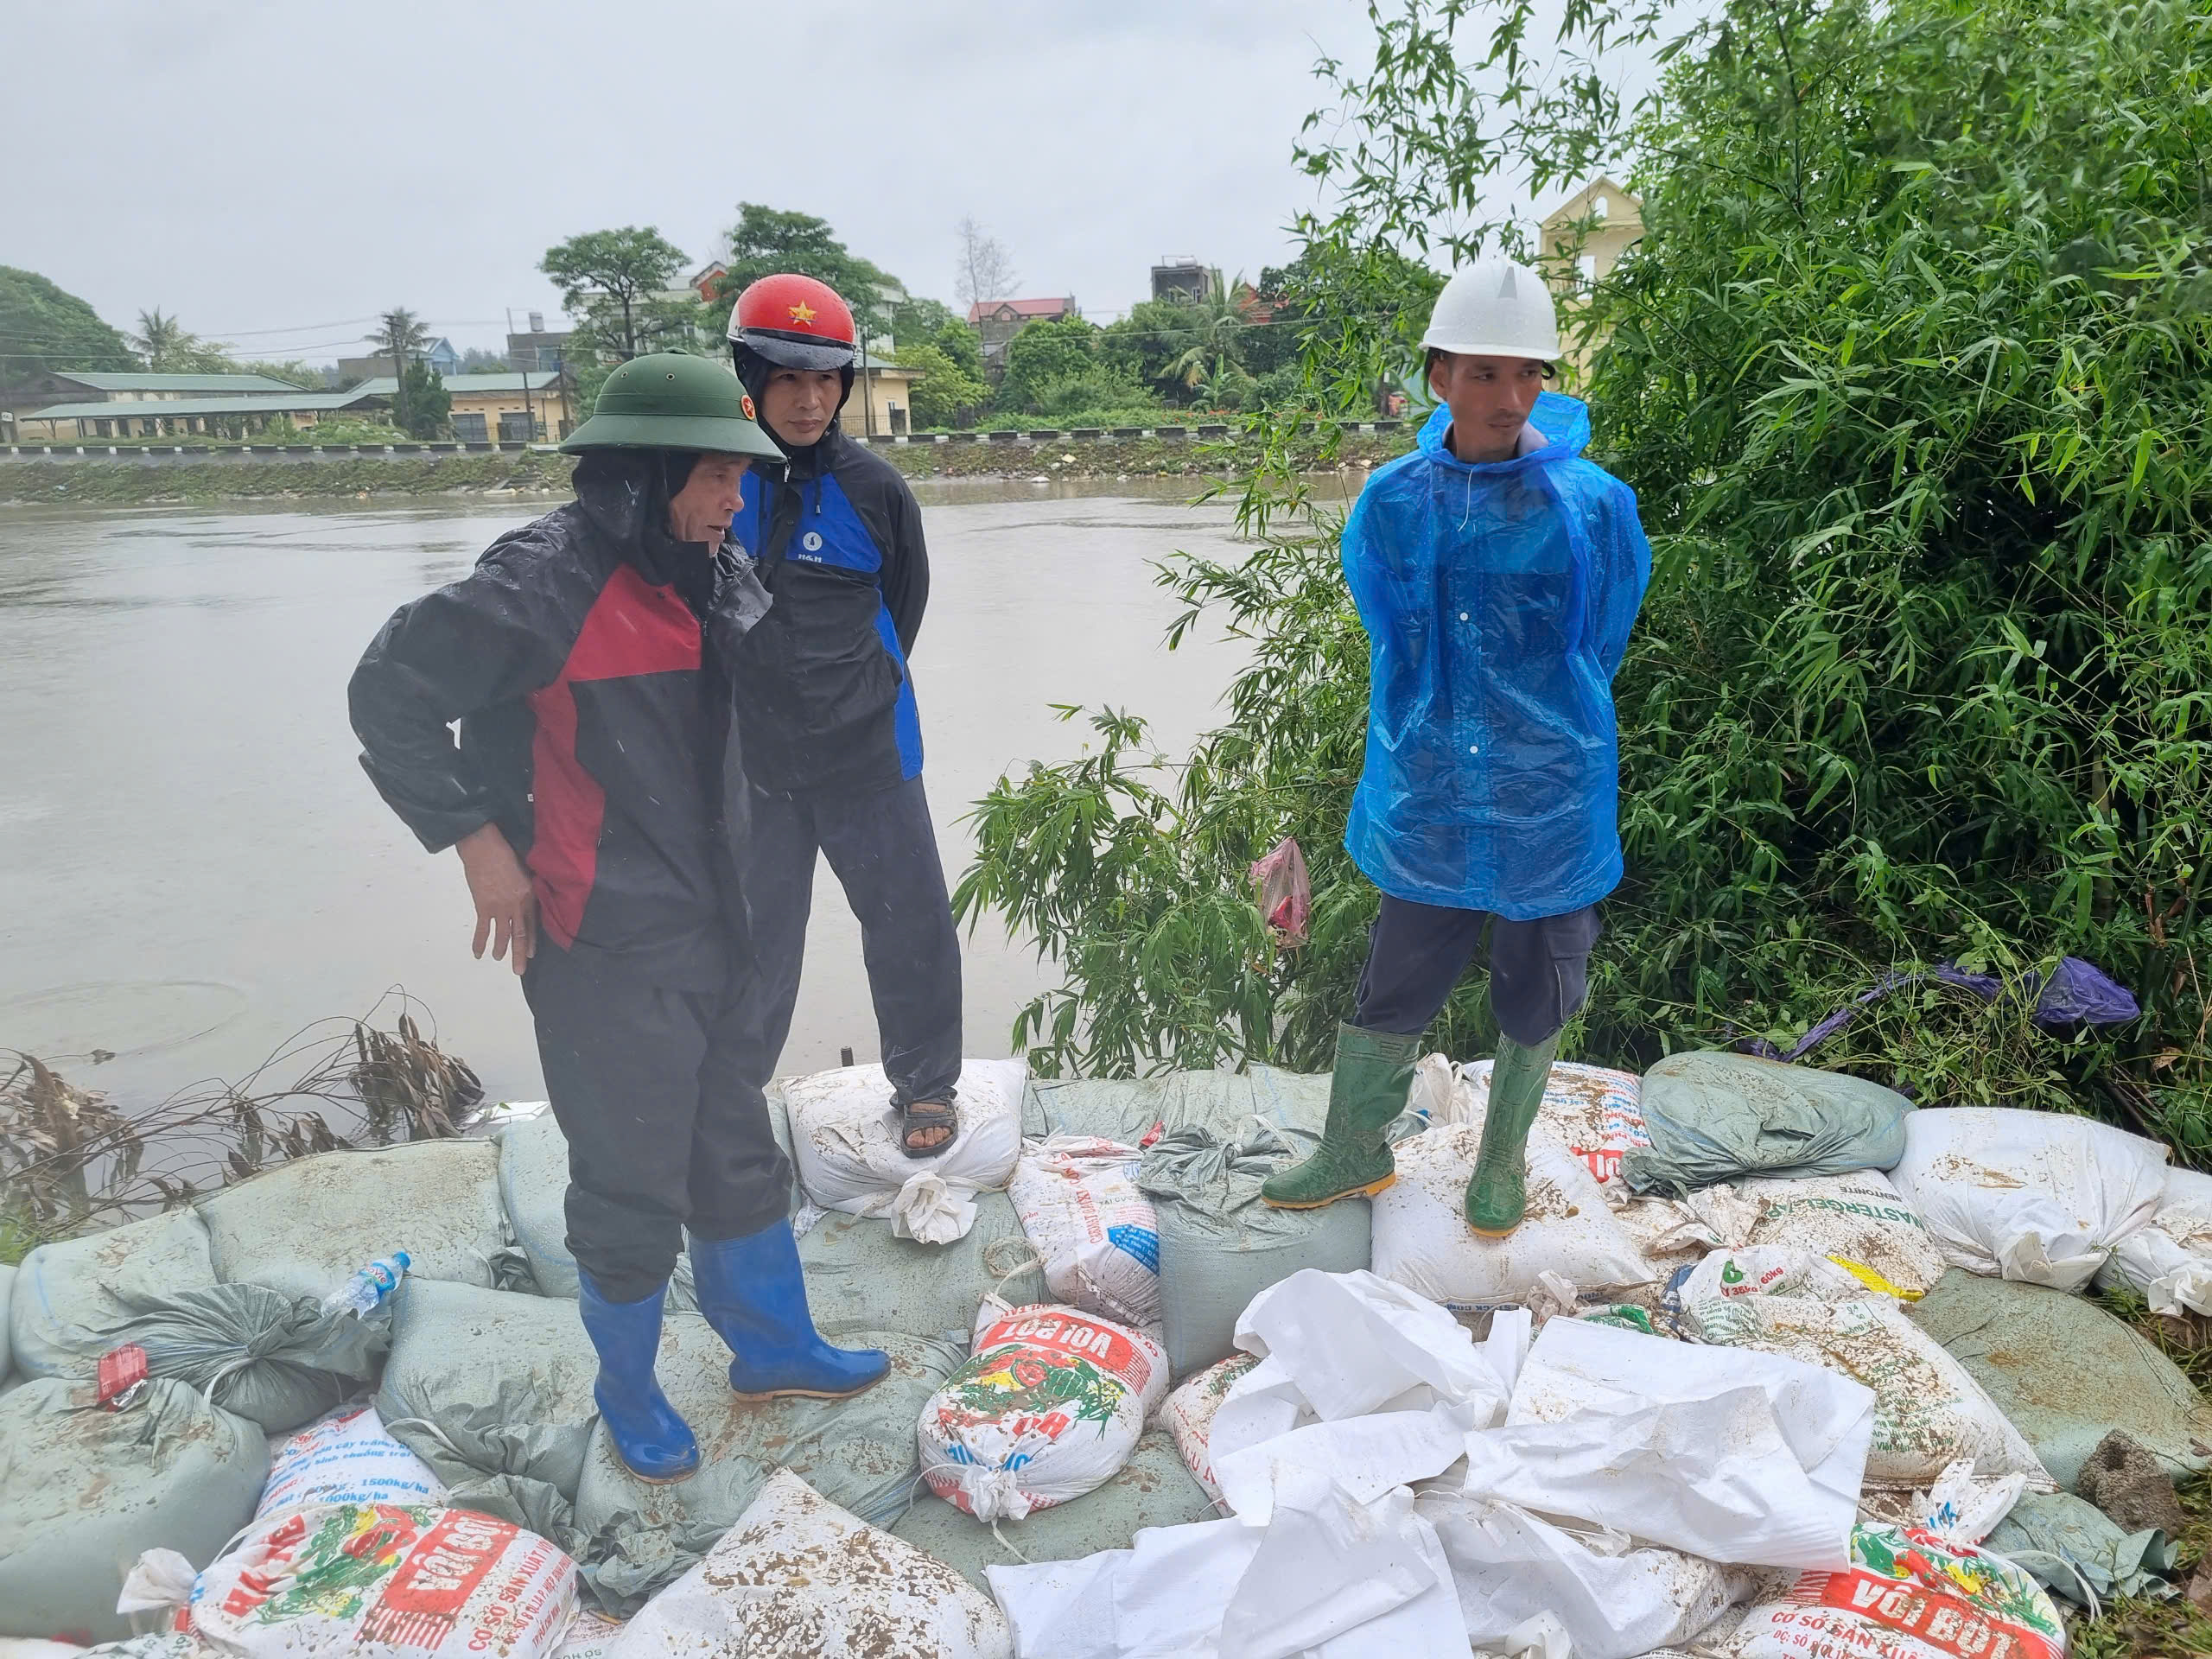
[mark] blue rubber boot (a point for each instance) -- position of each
(752, 1293)
(654, 1443)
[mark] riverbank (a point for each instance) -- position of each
(137, 482)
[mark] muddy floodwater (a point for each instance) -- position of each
(192, 866)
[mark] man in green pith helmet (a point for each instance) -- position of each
(1497, 574)
(586, 660)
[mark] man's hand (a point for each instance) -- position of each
(506, 907)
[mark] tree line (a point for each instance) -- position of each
(1235, 350)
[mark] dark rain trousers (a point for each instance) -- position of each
(657, 1092)
(882, 848)
(1539, 970)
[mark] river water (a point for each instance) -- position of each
(192, 866)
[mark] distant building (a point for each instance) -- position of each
(439, 354)
(1180, 277)
(1583, 238)
(227, 417)
(90, 386)
(1592, 228)
(999, 320)
(541, 348)
(537, 407)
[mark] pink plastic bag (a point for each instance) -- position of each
(1286, 895)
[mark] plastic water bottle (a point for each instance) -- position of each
(360, 1294)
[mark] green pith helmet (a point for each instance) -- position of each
(669, 401)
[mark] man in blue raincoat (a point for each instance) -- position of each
(1497, 574)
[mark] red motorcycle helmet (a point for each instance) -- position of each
(794, 322)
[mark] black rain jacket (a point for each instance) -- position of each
(581, 658)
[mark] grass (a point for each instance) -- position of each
(2136, 1627)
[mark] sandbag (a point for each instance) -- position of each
(2039, 1197)
(1422, 1239)
(533, 1193)
(1189, 1416)
(1760, 1270)
(306, 1226)
(387, 1581)
(68, 1295)
(859, 1453)
(83, 1491)
(1593, 1112)
(1153, 1489)
(861, 1276)
(2075, 1551)
(1859, 1221)
(2065, 1372)
(2169, 1262)
(1097, 1235)
(1614, 1599)
(1929, 1412)
(1220, 1103)
(493, 1390)
(799, 1578)
(279, 1360)
(348, 1458)
(7, 1293)
(1719, 1117)
(1220, 1245)
(1906, 1595)
(845, 1139)
(1048, 1407)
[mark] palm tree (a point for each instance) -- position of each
(399, 335)
(164, 344)
(1211, 332)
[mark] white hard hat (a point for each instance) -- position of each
(1494, 308)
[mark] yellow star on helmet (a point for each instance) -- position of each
(802, 312)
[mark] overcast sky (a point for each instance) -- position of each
(274, 174)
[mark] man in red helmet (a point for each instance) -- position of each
(825, 715)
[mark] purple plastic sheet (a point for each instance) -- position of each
(2076, 993)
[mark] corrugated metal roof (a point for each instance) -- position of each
(137, 409)
(385, 385)
(236, 382)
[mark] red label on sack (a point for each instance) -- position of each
(425, 1599)
(1101, 1345)
(1950, 1623)
(123, 1369)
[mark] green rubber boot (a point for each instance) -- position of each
(1366, 1091)
(1497, 1192)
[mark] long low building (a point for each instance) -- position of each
(228, 417)
(535, 407)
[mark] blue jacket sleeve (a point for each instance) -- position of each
(1375, 571)
(1624, 572)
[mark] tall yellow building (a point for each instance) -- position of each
(1583, 239)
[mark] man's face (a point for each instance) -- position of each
(798, 404)
(701, 510)
(1490, 398)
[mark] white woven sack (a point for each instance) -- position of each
(1097, 1234)
(798, 1576)
(1189, 1415)
(1422, 1240)
(2039, 1197)
(346, 1458)
(847, 1142)
(1929, 1412)
(2169, 1263)
(1049, 1406)
(405, 1581)
(1860, 1221)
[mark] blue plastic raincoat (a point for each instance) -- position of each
(1497, 599)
